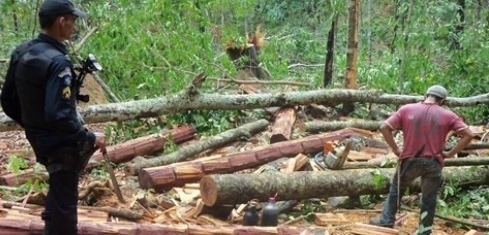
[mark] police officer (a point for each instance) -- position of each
(39, 93)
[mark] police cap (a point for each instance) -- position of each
(60, 7)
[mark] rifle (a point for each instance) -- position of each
(89, 65)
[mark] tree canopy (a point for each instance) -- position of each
(152, 48)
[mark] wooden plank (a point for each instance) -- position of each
(368, 229)
(325, 219)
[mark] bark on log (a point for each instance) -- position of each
(239, 188)
(321, 126)
(282, 127)
(177, 103)
(29, 227)
(466, 161)
(163, 177)
(250, 89)
(186, 152)
(146, 145)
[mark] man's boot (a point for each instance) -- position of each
(377, 222)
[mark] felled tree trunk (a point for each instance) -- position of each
(239, 188)
(473, 161)
(186, 152)
(178, 174)
(15, 179)
(18, 226)
(146, 145)
(177, 103)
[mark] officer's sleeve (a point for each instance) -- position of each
(8, 98)
(60, 104)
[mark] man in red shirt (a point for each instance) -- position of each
(425, 126)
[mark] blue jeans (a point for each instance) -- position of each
(431, 178)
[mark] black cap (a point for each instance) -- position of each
(60, 7)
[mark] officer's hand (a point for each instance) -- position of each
(100, 141)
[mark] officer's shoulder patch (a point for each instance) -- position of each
(65, 72)
(66, 93)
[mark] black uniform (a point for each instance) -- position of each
(39, 93)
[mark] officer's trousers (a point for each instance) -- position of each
(60, 213)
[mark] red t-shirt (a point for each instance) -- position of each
(425, 124)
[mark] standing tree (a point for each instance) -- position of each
(328, 65)
(351, 53)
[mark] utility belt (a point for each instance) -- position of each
(71, 158)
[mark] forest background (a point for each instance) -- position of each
(152, 48)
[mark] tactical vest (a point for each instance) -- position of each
(31, 77)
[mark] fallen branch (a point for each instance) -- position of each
(261, 82)
(321, 126)
(188, 151)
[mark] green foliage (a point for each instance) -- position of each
(36, 184)
(460, 203)
(16, 164)
(379, 179)
(206, 121)
(307, 210)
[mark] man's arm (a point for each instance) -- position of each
(467, 136)
(386, 131)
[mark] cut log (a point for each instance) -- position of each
(146, 145)
(15, 179)
(282, 127)
(239, 188)
(188, 151)
(131, 110)
(25, 227)
(162, 177)
(466, 161)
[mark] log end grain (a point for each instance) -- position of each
(208, 190)
(277, 138)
